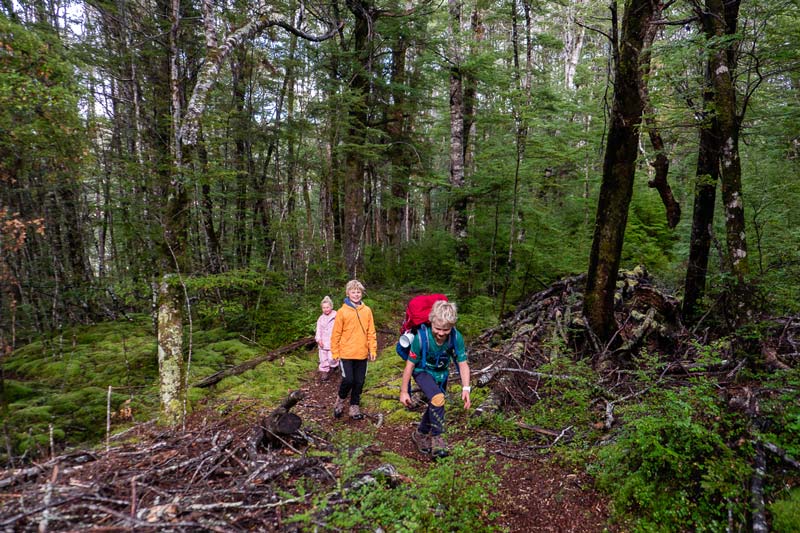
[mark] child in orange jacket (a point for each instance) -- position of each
(354, 342)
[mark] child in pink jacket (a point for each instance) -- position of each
(323, 337)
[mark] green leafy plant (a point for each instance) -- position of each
(673, 471)
(454, 494)
(786, 513)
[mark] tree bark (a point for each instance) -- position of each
(619, 168)
(354, 164)
(459, 207)
(705, 194)
(661, 163)
(170, 350)
(721, 19)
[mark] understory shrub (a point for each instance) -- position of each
(674, 473)
(455, 494)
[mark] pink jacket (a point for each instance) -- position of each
(324, 330)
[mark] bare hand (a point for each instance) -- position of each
(405, 399)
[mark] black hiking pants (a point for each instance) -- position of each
(354, 373)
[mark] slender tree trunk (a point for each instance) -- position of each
(170, 350)
(207, 208)
(661, 163)
(573, 44)
(399, 150)
(705, 194)
(619, 168)
(459, 208)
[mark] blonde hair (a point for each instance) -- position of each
(443, 312)
(326, 300)
(353, 284)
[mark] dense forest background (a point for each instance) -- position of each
(210, 164)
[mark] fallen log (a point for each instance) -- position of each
(252, 363)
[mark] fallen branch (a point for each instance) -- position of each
(252, 363)
(780, 452)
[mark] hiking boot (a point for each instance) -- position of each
(324, 376)
(438, 447)
(338, 408)
(355, 412)
(423, 442)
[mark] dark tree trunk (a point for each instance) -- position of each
(399, 151)
(459, 207)
(240, 70)
(661, 163)
(207, 207)
(619, 168)
(354, 164)
(705, 193)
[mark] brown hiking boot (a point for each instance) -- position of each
(355, 412)
(438, 447)
(324, 376)
(338, 408)
(423, 442)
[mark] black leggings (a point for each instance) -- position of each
(354, 373)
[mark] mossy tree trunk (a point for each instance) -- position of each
(720, 20)
(718, 157)
(619, 168)
(170, 350)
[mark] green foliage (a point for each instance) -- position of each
(38, 103)
(564, 402)
(648, 238)
(454, 494)
(672, 468)
(786, 513)
(780, 410)
(63, 380)
(430, 262)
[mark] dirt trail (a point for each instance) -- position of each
(534, 495)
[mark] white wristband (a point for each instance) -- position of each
(466, 389)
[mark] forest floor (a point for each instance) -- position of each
(534, 494)
(209, 476)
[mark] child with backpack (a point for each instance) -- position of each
(428, 363)
(354, 341)
(323, 337)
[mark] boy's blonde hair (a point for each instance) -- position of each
(443, 312)
(326, 300)
(353, 284)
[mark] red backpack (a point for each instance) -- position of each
(418, 310)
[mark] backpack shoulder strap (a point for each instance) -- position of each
(451, 339)
(423, 343)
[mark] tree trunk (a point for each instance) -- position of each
(619, 168)
(399, 150)
(719, 20)
(170, 350)
(705, 194)
(459, 207)
(661, 163)
(354, 164)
